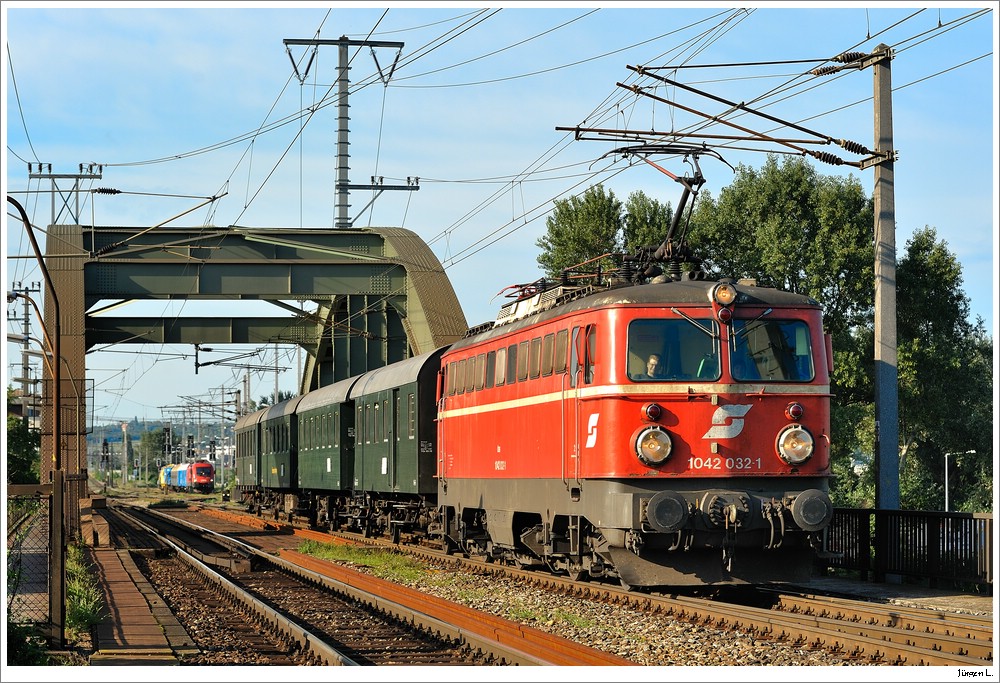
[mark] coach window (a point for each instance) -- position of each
(560, 360)
(411, 413)
(491, 367)
(501, 369)
(511, 363)
(522, 361)
(536, 357)
(335, 427)
(387, 421)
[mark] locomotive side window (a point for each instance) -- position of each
(673, 349)
(547, 343)
(511, 363)
(470, 375)
(460, 378)
(449, 379)
(771, 350)
(491, 367)
(480, 371)
(522, 361)
(560, 361)
(536, 357)
(501, 372)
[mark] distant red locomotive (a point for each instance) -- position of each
(198, 476)
(557, 445)
(653, 427)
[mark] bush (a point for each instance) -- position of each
(26, 645)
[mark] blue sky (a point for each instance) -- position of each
(472, 110)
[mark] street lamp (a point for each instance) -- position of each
(946, 474)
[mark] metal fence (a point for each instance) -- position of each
(27, 559)
(955, 547)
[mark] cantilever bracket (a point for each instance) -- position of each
(878, 158)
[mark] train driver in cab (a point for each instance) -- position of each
(654, 367)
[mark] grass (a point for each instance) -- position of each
(84, 603)
(383, 564)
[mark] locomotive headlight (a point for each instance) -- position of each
(795, 444)
(653, 446)
(724, 294)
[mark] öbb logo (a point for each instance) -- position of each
(727, 422)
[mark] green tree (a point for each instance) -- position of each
(646, 221)
(23, 449)
(269, 399)
(151, 454)
(596, 223)
(945, 381)
(581, 228)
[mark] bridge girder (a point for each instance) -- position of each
(378, 295)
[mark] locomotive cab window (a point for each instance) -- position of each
(673, 350)
(771, 351)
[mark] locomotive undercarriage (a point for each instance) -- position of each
(647, 538)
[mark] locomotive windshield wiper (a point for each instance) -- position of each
(746, 327)
(697, 324)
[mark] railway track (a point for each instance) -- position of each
(347, 619)
(868, 632)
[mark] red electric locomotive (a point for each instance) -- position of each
(677, 432)
(198, 476)
(660, 428)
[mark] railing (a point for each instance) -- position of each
(950, 546)
(27, 559)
